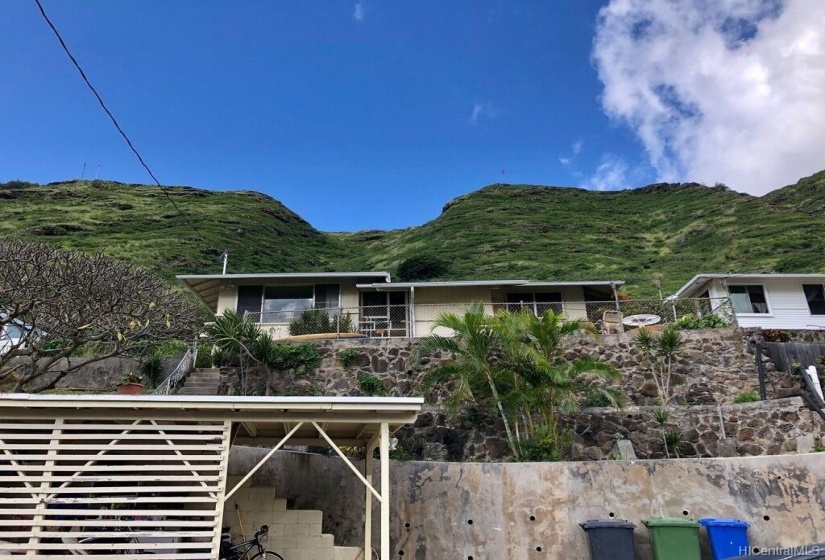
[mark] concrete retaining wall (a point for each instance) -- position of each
(524, 511)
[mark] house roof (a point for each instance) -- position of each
(698, 282)
(207, 286)
(346, 419)
(485, 283)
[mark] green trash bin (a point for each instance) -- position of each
(673, 538)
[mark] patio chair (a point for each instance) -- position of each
(612, 322)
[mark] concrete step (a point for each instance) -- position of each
(207, 370)
(347, 553)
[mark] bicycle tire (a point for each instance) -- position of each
(267, 555)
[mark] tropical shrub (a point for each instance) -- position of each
(371, 385)
(319, 321)
(709, 321)
(514, 364)
(347, 357)
(659, 354)
(746, 397)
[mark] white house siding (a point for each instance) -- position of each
(227, 298)
(431, 302)
(786, 299)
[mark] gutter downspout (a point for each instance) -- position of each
(615, 296)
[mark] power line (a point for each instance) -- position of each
(114, 120)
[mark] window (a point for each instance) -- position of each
(749, 299)
(282, 304)
(815, 294)
(537, 302)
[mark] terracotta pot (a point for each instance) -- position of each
(130, 389)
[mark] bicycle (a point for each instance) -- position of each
(241, 551)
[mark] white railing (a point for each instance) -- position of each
(401, 321)
(179, 374)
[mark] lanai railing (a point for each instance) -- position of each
(417, 320)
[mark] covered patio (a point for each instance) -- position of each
(147, 476)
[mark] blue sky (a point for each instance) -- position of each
(355, 115)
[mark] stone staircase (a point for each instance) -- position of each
(202, 381)
(294, 534)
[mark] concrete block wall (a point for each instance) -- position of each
(294, 534)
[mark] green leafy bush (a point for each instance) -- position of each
(746, 397)
(371, 385)
(347, 357)
(151, 367)
(303, 359)
(318, 321)
(204, 357)
(709, 321)
(544, 446)
(171, 349)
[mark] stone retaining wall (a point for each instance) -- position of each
(760, 428)
(715, 367)
(532, 511)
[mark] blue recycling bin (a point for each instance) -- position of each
(728, 537)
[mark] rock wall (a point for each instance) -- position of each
(531, 511)
(714, 367)
(760, 428)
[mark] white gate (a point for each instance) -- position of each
(152, 490)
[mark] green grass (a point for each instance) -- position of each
(666, 232)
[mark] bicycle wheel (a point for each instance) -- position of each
(267, 555)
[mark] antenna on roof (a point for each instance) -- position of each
(225, 259)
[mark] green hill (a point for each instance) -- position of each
(664, 231)
(661, 231)
(139, 224)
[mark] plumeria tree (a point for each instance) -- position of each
(73, 308)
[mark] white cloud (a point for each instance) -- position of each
(482, 110)
(358, 13)
(611, 175)
(718, 91)
(575, 150)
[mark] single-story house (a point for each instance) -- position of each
(767, 301)
(371, 304)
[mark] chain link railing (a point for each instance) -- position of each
(400, 321)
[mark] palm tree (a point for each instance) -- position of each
(473, 346)
(546, 385)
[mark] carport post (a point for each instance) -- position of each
(369, 464)
(385, 491)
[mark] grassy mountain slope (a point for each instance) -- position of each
(137, 223)
(543, 233)
(664, 231)
(806, 196)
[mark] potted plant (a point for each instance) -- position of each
(130, 384)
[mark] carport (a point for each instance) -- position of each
(147, 476)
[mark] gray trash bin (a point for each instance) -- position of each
(610, 539)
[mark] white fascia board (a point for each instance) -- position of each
(285, 275)
(700, 280)
(445, 284)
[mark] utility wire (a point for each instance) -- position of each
(114, 120)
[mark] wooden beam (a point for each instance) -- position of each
(262, 461)
(347, 461)
(385, 491)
